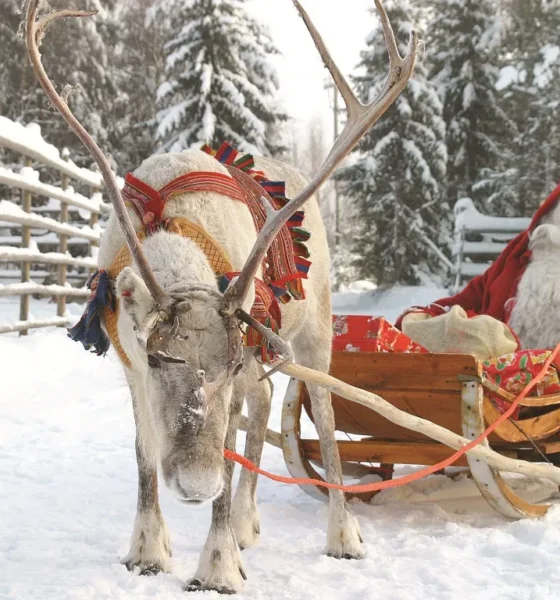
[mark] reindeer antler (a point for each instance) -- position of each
(361, 119)
(35, 29)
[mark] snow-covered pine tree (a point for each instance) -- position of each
(398, 180)
(220, 85)
(12, 75)
(463, 45)
(138, 63)
(116, 59)
(75, 52)
(530, 89)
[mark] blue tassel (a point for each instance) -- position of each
(88, 330)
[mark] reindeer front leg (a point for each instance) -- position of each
(245, 515)
(220, 567)
(150, 548)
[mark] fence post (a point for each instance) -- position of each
(94, 218)
(25, 266)
(63, 241)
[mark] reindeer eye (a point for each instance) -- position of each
(238, 368)
(153, 362)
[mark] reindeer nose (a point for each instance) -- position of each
(198, 485)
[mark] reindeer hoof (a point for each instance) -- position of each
(150, 570)
(195, 585)
(245, 522)
(344, 538)
(346, 556)
(251, 540)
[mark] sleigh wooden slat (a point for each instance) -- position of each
(448, 390)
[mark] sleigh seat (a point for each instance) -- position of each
(451, 390)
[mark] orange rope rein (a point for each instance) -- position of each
(383, 485)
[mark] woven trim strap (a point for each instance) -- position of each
(149, 204)
(286, 264)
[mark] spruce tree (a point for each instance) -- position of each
(12, 64)
(219, 84)
(529, 87)
(463, 43)
(114, 59)
(398, 179)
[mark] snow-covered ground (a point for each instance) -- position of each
(68, 496)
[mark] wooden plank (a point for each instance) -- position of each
(55, 321)
(399, 382)
(45, 224)
(400, 364)
(535, 428)
(48, 159)
(481, 248)
(25, 266)
(15, 180)
(16, 289)
(93, 220)
(425, 385)
(63, 246)
(386, 451)
(16, 255)
(443, 409)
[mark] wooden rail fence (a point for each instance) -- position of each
(50, 225)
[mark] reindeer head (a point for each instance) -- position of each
(187, 398)
(188, 340)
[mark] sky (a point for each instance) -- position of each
(344, 27)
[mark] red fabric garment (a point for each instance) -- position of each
(493, 293)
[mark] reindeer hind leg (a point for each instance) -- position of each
(312, 347)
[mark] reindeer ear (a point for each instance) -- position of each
(133, 294)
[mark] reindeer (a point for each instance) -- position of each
(189, 373)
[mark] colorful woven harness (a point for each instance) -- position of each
(283, 269)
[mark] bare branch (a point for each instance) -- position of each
(34, 32)
(360, 120)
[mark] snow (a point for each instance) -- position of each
(28, 141)
(509, 75)
(387, 303)
(468, 218)
(30, 287)
(35, 256)
(13, 213)
(50, 239)
(545, 72)
(68, 497)
(28, 179)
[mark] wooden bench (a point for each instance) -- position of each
(479, 240)
(449, 390)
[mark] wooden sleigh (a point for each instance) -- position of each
(449, 390)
